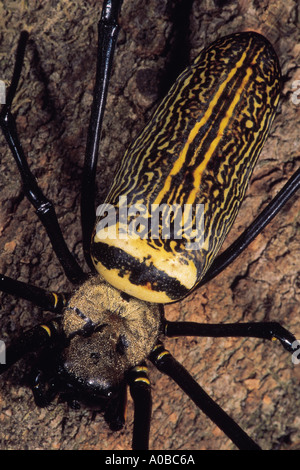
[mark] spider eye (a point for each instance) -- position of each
(95, 356)
(122, 345)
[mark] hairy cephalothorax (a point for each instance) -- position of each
(108, 332)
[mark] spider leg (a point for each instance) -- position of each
(116, 409)
(140, 390)
(166, 363)
(31, 340)
(44, 389)
(47, 300)
(262, 220)
(107, 35)
(44, 207)
(264, 330)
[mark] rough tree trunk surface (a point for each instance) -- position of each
(255, 381)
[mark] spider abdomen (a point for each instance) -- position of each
(180, 184)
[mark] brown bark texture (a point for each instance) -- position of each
(254, 381)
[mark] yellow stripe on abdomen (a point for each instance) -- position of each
(200, 147)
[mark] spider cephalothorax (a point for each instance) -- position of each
(108, 333)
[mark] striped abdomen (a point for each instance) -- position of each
(199, 148)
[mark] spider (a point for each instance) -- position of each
(39, 392)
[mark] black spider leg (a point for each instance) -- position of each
(43, 206)
(40, 336)
(45, 380)
(166, 363)
(140, 390)
(47, 300)
(264, 330)
(44, 388)
(45, 338)
(115, 412)
(107, 35)
(257, 226)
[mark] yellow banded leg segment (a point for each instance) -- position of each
(47, 329)
(139, 374)
(140, 390)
